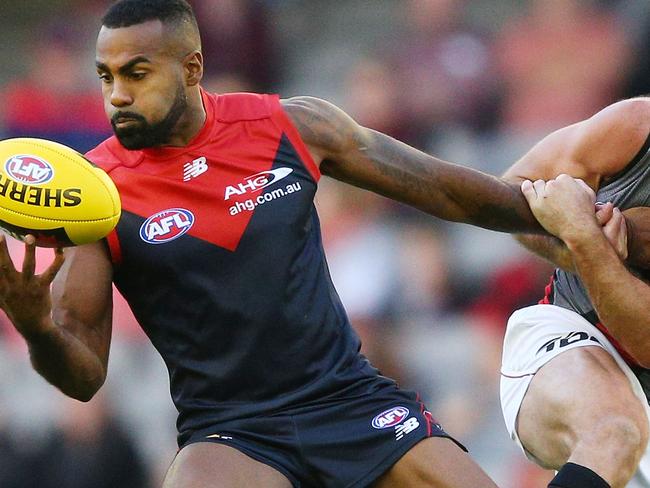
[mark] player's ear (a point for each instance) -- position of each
(193, 66)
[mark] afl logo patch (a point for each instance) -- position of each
(30, 170)
(166, 226)
(390, 417)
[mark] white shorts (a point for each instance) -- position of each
(534, 336)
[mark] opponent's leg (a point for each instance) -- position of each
(436, 462)
(580, 408)
(211, 465)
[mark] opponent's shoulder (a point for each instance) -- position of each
(614, 136)
(629, 117)
(321, 124)
(637, 109)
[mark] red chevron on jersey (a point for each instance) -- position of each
(219, 179)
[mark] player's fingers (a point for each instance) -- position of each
(586, 187)
(49, 274)
(540, 188)
(528, 190)
(29, 262)
(603, 205)
(6, 264)
(616, 233)
(615, 222)
(604, 212)
(622, 232)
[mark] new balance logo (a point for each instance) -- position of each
(219, 436)
(406, 428)
(195, 168)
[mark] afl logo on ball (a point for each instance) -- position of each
(390, 417)
(29, 170)
(166, 226)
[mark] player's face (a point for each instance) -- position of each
(142, 84)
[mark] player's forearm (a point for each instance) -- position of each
(621, 300)
(550, 248)
(445, 190)
(66, 362)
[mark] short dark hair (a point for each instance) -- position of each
(126, 13)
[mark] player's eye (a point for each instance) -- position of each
(105, 78)
(137, 75)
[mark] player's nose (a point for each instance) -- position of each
(119, 96)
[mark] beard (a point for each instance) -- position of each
(141, 134)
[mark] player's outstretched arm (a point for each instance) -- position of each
(67, 326)
(374, 161)
(622, 301)
(592, 150)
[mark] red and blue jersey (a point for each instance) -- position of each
(219, 254)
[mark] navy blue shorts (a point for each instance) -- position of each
(338, 443)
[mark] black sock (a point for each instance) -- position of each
(575, 476)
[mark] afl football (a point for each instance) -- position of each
(54, 193)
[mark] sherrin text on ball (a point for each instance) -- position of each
(54, 193)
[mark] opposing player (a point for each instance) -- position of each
(574, 374)
(218, 253)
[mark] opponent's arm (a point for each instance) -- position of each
(591, 150)
(555, 251)
(374, 161)
(67, 329)
(621, 300)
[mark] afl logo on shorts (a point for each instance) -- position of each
(29, 170)
(390, 417)
(166, 226)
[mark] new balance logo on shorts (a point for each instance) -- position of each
(563, 341)
(219, 436)
(406, 428)
(396, 417)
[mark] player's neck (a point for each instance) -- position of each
(191, 123)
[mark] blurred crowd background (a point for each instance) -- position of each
(472, 81)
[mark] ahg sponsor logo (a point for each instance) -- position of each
(271, 195)
(166, 226)
(257, 182)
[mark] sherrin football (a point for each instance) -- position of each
(54, 193)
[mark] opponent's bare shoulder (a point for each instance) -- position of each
(614, 136)
(326, 129)
(593, 149)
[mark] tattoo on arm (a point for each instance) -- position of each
(377, 162)
(446, 190)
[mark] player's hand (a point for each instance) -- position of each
(564, 206)
(604, 212)
(24, 296)
(615, 229)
